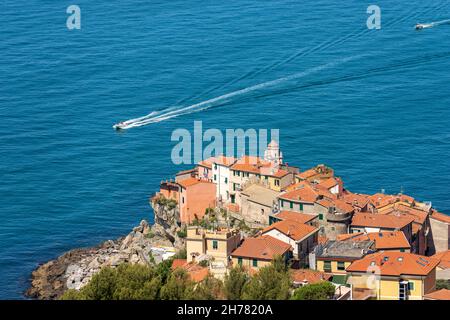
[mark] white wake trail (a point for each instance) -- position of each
(209, 103)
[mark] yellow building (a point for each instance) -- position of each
(255, 253)
(215, 243)
(392, 276)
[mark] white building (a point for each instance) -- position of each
(273, 154)
(221, 177)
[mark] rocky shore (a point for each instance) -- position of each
(75, 268)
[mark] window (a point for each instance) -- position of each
(215, 166)
(402, 250)
(215, 177)
(226, 180)
(240, 261)
(291, 205)
(327, 266)
(215, 244)
(341, 265)
(282, 203)
(239, 173)
(410, 286)
(320, 216)
(234, 173)
(182, 199)
(277, 182)
(300, 206)
(255, 262)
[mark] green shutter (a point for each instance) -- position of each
(291, 205)
(215, 244)
(240, 261)
(301, 206)
(327, 266)
(255, 262)
(320, 216)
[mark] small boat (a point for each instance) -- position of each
(421, 26)
(119, 126)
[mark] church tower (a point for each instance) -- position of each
(273, 153)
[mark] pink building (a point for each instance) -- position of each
(195, 197)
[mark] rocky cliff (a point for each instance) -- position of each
(75, 268)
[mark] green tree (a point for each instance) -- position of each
(323, 290)
(178, 286)
(272, 282)
(234, 282)
(209, 288)
(442, 284)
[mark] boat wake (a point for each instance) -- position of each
(168, 113)
(421, 26)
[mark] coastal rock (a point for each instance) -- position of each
(75, 268)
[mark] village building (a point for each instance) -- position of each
(221, 177)
(335, 256)
(257, 203)
(443, 268)
(195, 197)
(317, 173)
(255, 253)
(369, 222)
(301, 237)
(443, 294)
(216, 244)
(386, 240)
(303, 277)
(194, 271)
(310, 219)
(393, 276)
(440, 230)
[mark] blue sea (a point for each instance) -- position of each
(372, 104)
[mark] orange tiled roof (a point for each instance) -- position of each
(444, 259)
(392, 263)
(329, 183)
(293, 229)
(383, 240)
(381, 199)
(363, 219)
(262, 248)
(185, 183)
(399, 209)
(301, 192)
(309, 276)
(440, 216)
(443, 294)
(177, 263)
(307, 174)
(295, 216)
(355, 199)
(196, 272)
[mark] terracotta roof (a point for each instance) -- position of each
(233, 207)
(399, 209)
(381, 199)
(392, 263)
(355, 199)
(196, 272)
(444, 259)
(362, 219)
(226, 161)
(383, 240)
(206, 162)
(193, 170)
(177, 263)
(340, 205)
(440, 216)
(295, 216)
(293, 229)
(309, 276)
(303, 192)
(263, 248)
(329, 183)
(307, 174)
(190, 182)
(273, 172)
(443, 294)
